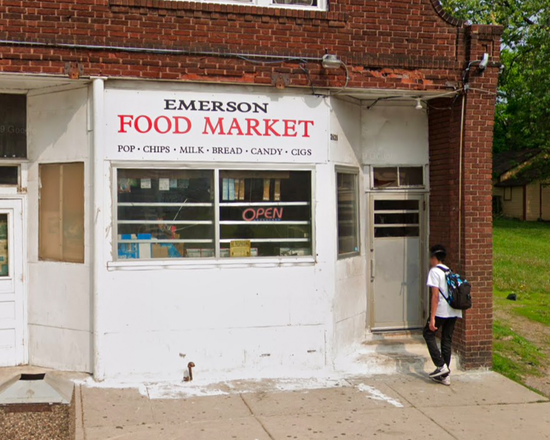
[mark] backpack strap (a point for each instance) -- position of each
(446, 271)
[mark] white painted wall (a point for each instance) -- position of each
(247, 320)
(350, 299)
(58, 293)
(395, 134)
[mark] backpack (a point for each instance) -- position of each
(460, 297)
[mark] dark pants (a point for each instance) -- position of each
(447, 326)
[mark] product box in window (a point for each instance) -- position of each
(294, 252)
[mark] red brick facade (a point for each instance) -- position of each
(395, 44)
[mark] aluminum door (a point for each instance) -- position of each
(397, 241)
(12, 311)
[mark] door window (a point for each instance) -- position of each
(396, 218)
(4, 246)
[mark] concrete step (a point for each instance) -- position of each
(392, 354)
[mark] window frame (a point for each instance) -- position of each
(84, 225)
(217, 258)
(322, 5)
(399, 187)
(356, 173)
(508, 197)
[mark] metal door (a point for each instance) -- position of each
(12, 312)
(397, 261)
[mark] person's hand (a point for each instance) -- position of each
(433, 328)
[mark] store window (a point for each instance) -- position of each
(13, 126)
(348, 215)
(398, 177)
(271, 210)
(165, 214)
(62, 212)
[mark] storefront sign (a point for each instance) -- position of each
(199, 126)
(262, 214)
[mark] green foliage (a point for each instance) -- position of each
(523, 109)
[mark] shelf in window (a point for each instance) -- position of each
(247, 204)
(177, 205)
(267, 240)
(137, 240)
(165, 222)
(268, 223)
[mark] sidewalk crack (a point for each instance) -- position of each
(255, 417)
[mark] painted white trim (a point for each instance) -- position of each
(98, 94)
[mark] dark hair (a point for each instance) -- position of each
(438, 252)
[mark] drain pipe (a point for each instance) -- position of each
(460, 172)
(96, 153)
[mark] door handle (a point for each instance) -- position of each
(372, 268)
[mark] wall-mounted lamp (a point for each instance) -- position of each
(484, 62)
(419, 105)
(330, 61)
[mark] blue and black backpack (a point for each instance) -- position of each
(459, 289)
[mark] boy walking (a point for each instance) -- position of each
(442, 316)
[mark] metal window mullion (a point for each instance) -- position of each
(216, 184)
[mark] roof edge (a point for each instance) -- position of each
(445, 15)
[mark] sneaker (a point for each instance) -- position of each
(442, 380)
(440, 371)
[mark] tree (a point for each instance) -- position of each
(523, 106)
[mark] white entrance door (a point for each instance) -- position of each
(397, 261)
(12, 312)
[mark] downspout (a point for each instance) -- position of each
(460, 168)
(98, 88)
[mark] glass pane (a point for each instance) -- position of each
(267, 212)
(50, 213)
(347, 214)
(411, 176)
(4, 247)
(9, 176)
(396, 205)
(62, 212)
(396, 219)
(73, 212)
(385, 178)
(165, 214)
(385, 232)
(296, 2)
(13, 126)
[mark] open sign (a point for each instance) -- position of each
(262, 214)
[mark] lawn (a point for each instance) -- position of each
(522, 327)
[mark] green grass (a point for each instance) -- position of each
(521, 266)
(514, 356)
(522, 256)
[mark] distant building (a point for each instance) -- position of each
(522, 185)
(250, 185)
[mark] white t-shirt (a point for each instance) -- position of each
(436, 278)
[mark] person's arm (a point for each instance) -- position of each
(433, 309)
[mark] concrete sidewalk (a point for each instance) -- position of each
(477, 406)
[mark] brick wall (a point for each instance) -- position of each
(387, 44)
(469, 213)
(395, 44)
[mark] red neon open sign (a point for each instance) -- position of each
(262, 214)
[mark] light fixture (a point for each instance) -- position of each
(330, 61)
(419, 105)
(484, 62)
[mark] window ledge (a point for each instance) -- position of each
(234, 263)
(233, 8)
